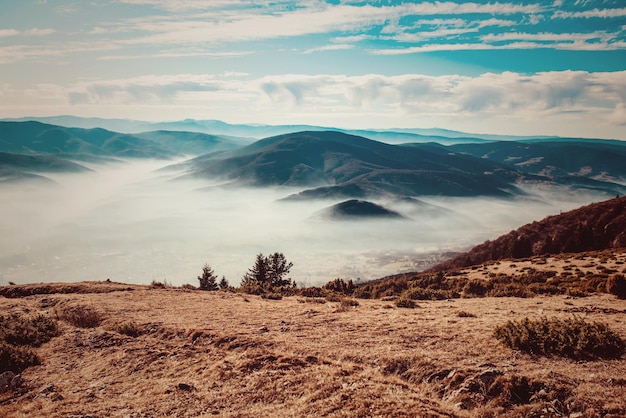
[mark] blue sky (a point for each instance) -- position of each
(533, 67)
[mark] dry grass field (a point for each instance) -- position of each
(149, 352)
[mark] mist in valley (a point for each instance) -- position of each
(131, 222)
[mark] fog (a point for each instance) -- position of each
(130, 222)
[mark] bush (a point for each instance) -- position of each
(616, 285)
(17, 334)
(16, 359)
(80, 316)
(405, 302)
(340, 286)
(349, 303)
(22, 330)
(272, 296)
(127, 328)
(573, 338)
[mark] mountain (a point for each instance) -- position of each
(192, 143)
(39, 138)
(335, 164)
(259, 131)
(357, 209)
(592, 162)
(593, 227)
(20, 167)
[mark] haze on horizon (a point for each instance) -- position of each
(524, 68)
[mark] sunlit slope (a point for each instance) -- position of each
(593, 227)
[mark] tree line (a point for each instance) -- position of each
(268, 274)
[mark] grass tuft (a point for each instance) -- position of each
(80, 316)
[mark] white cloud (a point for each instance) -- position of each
(333, 47)
(39, 32)
(601, 13)
(8, 32)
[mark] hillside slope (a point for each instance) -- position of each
(588, 163)
(338, 164)
(593, 227)
(40, 138)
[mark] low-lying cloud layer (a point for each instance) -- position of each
(130, 223)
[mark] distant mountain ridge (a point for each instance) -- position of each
(342, 165)
(597, 226)
(40, 138)
(259, 131)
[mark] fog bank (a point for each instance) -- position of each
(131, 223)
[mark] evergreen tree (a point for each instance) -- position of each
(224, 283)
(268, 272)
(208, 280)
(278, 268)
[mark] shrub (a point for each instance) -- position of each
(16, 359)
(17, 334)
(616, 285)
(405, 302)
(22, 330)
(465, 314)
(340, 286)
(157, 284)
(573, 338)
(476, 288)
(272, 296)
(127, 328)
(349, 303)
(80, 316)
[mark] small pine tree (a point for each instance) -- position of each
(258, 273)
(224, 283)
(208, 280)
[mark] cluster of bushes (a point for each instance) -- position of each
(571, 337)
(18, 334)
(450, 285)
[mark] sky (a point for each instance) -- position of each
(500, 67)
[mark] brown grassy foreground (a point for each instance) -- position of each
(173, 352)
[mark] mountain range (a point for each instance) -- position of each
(329, 163)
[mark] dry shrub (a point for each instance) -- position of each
(14, 358)
(312, 292)
(126, 328)
(616, 285)
(79, 316)
(465, 314)
(17, 334)
(272, 296)
(23, 330)
(572, 337)
(349, 303)
(405, 302)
